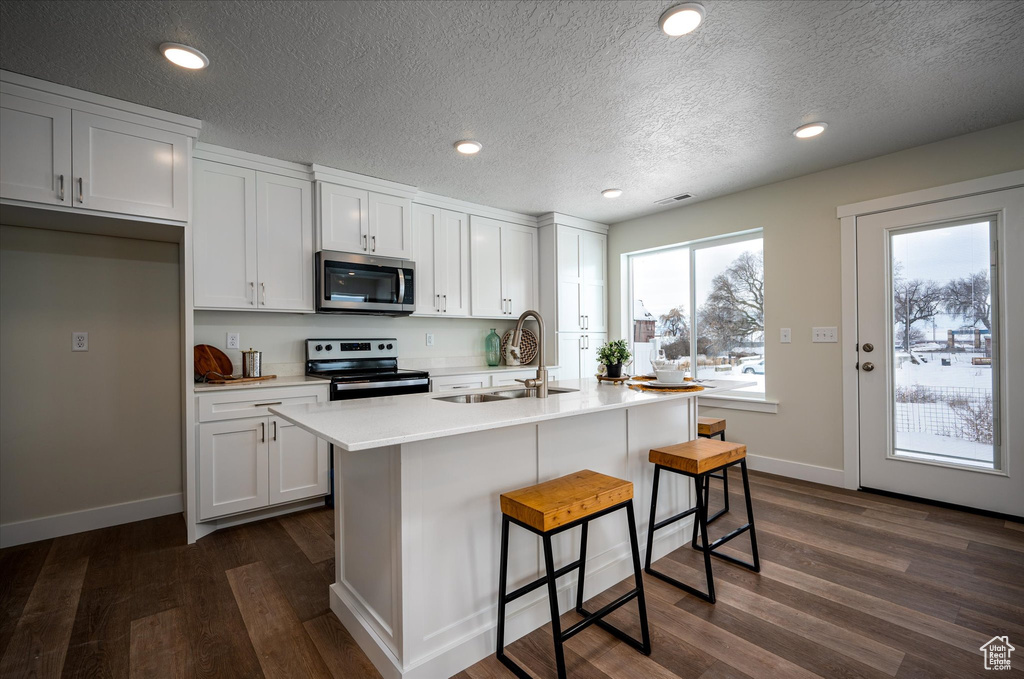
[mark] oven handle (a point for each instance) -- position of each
(344, 386)
(401, 286)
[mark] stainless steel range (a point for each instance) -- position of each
(362, 368)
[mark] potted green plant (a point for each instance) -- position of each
(612, 355)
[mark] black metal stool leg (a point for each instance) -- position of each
(702, 517)
(650, 524)
(502, 592)
(725, 485)
(700, 487)
(750, 517)
(583, 568)
(556, 625)
(638, 580)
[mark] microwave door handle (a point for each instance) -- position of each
(401, 286)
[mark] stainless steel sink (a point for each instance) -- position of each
(529, 393)
(471, 398)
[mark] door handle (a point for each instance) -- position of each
(374, 240)
(263, 287)
(868, 347)
(266, 405)
(588, 322)
(62, 188)
(445, 303)
(263, 432)
(81, 190)
(364, 241)
(867, 367)
(437, 303)
(274, 422)
(581, 321)
(252, 291)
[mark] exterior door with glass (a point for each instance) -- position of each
(940, 316)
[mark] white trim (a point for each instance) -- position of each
(550, 218)
(849, 335)
(971, 187)
(221, 154)
(206, 527)
(80, 100)
(21, 532)
(734, 402)
(97, 222)
(456, 205)
(322, 173)
(797, 470)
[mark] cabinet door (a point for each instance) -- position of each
(224, 233)
(35, 151)
(426, 236)
(344, 218)
(298, 463)
(454, 264)
(128, 168)
(570, 349)
(390, 226)
(519, 268)
(485, 262)
(588, 358)
(570, 279)
(284, 227)
(594, 291)
(233, 471)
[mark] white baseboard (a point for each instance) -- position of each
(797, 470)
(20, 532)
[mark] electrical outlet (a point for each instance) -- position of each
(79, 341)
(430, 339)
(785, 335)
(234, 341)
(827, 334)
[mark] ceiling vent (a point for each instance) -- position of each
(673, 200)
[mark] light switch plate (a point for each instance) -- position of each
(234, 340)
(79, 341)
(826, 334)
(785, 335)
(430, 339)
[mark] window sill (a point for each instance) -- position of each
(734, 402)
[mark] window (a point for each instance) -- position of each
(711, 290)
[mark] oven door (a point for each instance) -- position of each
(349, 283)
(343, 391)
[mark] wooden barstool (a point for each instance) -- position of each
(697, 459)
(552, 507)
(710, 427)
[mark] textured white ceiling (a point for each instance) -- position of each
(568, 98)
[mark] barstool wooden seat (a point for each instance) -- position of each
(698, 459)
(710, 427)
(547, 509)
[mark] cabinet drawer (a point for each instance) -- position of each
(232, 405)
(460, 382)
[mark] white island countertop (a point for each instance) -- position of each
(392, 420)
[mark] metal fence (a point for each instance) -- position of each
(961, 412)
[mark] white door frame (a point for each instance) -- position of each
(848, 215)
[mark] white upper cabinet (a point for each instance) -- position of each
(426, 230)
(455, 273)
(224, 236)
(35, 151)
(127, 168)
(390, 226)
(594, 291)
(344, 218)
(364, 222)
(284, 226)
(503, 262)
(442, 261)
(253, 239)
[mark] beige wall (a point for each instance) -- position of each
(802, 274)
(97, 428)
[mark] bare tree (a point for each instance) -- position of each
(914, 300)
(675, 323)
(734, 309)
(968, 298)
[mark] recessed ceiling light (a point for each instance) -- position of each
(184, 56)
(682, 19)
(468, 147)
(809, 130)
(611, 193)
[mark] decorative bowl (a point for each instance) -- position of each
(671, 376)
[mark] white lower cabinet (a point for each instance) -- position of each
(498, 378)
(249, 459)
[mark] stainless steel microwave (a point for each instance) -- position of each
(358, 284)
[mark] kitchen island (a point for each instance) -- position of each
(417, 521)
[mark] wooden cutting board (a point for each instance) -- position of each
(209, 359)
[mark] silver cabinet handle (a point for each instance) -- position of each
(81, 190)
(62, 188)
(588, 322)
(460, 386)
(437, 303)
(252, 291)
(581, 321)
(364, 241)
(445, 303)
(263, 432)
(263, 288)
(374, 248)
(274, 422)
(263, 405)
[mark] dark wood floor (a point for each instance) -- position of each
(853, 585)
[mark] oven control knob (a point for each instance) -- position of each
(380, 347)
(319, 347)
(391, 346)
(329, 347)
